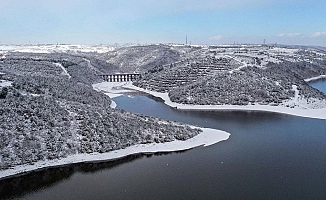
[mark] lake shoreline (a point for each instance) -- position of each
(112, 89)
(315, 78)
(206, 138)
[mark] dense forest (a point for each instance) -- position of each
(49, 110)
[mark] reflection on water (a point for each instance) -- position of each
(223, 120)
(39, 180)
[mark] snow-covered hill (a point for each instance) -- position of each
(240, 75)
(50, 111)
(142, 58)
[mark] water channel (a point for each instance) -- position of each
(268, 156)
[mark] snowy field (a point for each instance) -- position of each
(206, 138)
(295, 107)
(60, 48)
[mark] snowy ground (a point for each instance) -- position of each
(4, 83)
(64, 71)
(60, 48)
(243, 65)
(206, 138)
(315, 78)
(113, 89)
(296, 106)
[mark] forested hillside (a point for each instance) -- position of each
(49, 110)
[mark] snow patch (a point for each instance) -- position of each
(239, 68)
(112, 89)
(65, 72)
(113, 104)
(5, 83)
(315, 78)
(296, 92)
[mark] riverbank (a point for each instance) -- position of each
(206, 138)
(315, 78)
(112, 89)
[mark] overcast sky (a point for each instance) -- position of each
(163, 21)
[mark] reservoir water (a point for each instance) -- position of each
(268, 156)
(319, 84)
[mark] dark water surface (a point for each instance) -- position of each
(268, 156)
